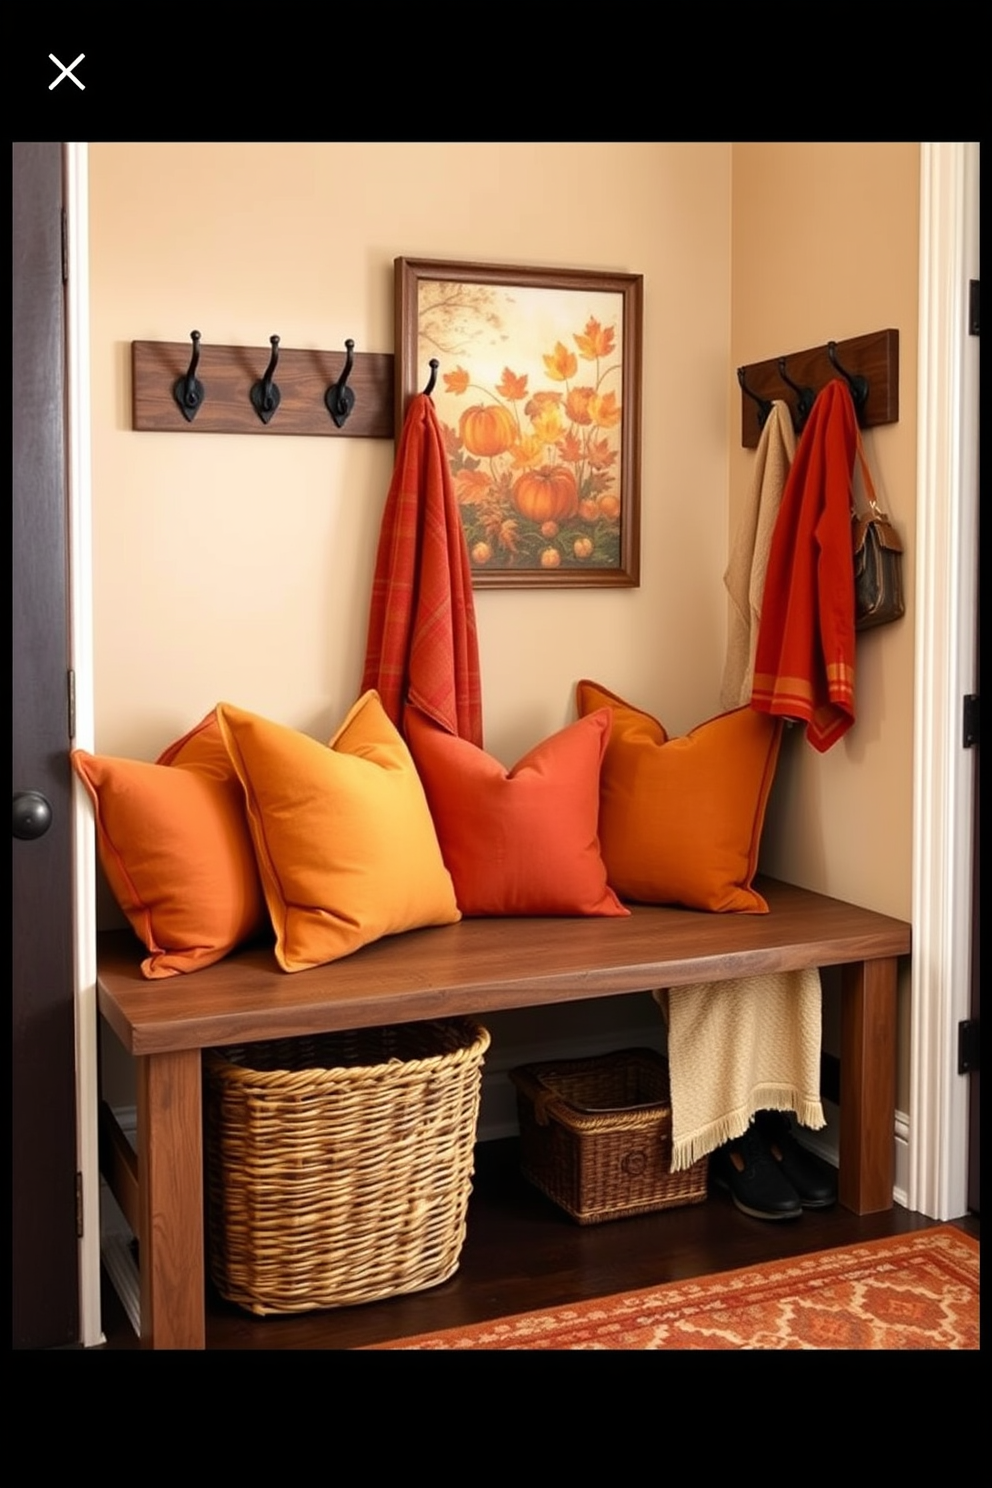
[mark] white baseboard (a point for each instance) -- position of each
(900, 1189)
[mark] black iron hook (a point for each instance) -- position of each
(264, 394)
(188, 391)
(340, 398)
(434, 364)
(857, 383)
(805, 396)
(764, 405)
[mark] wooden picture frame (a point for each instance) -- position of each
(538, 390)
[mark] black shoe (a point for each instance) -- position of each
(755, 1180)
(814, 1180)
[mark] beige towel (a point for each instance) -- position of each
(736, 1047)
(753, 1043)
(748, 563)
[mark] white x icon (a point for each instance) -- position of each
(66, 71)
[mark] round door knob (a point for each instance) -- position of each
(32, 815)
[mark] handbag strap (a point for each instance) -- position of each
(868, 482)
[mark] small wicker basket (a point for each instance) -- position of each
(596, 1136)
(339, 1166)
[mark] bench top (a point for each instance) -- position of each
(478, 966)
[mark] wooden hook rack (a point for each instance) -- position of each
(874, 357)
(227, 375)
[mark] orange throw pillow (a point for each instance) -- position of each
(174, 845)
(521, 841)
(680, 819)
(343, 834)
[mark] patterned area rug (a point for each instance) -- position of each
(917, 1291)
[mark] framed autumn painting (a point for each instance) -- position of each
(535, 377)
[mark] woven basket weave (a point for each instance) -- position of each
(339, 1166)
(596, 1136)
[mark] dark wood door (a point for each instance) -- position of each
(45, 1245)
(975, 1078)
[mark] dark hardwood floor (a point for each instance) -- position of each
(523, 1253)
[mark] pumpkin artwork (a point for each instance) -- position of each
(487, 429)
(547, 495)
(535, 450)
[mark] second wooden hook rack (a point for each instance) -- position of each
(874, 358)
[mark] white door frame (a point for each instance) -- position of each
(945, 670)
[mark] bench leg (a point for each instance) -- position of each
(867, 1085)
(170, 1189)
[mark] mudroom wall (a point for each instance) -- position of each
(238, 567)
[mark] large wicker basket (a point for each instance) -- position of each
(339, 1166)
(596, 1136)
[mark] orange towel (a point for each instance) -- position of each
(422, 644)
(804, 664)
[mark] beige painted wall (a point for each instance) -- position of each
(239, 567)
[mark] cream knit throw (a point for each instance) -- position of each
(736, 1047)
(748, 563)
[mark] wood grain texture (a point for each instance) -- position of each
(867, 1085)
(170, 1182)
(874, 356)
(475, 967)
(228, 374)
(478, 966)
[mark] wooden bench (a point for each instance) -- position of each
(475, 967)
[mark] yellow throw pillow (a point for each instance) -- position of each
(343, 835)
(680, 820)
(174, 845)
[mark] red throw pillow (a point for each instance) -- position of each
(522, 841)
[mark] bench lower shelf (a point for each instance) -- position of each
(474, 967)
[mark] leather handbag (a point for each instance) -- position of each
(878, 592)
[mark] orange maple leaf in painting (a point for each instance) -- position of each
(604, 410)
(457, 381)
(511, 387)
(595, 341)
(561, 364)
(472, 486)
(600, 454)
(577, 404)
(570, 448)
(537, 401)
